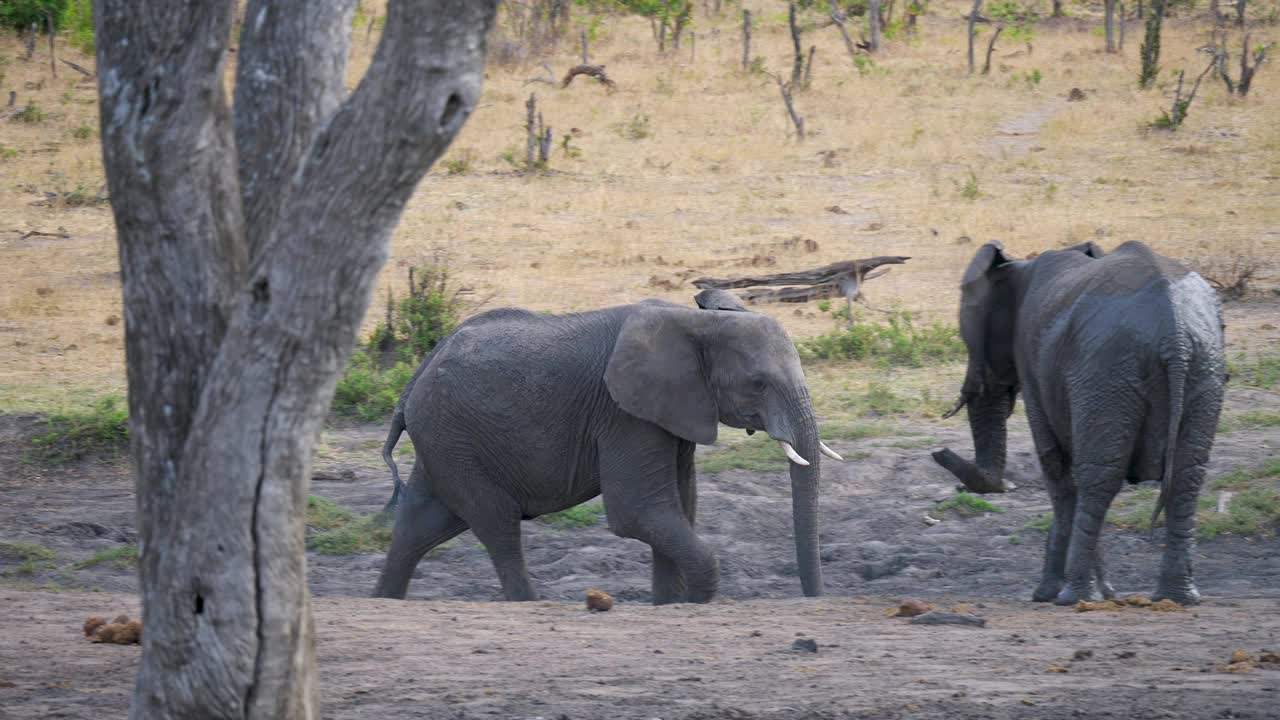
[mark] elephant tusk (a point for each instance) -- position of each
(829, 452)
(792, 455)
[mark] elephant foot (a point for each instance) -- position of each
(1047, 590)
(1185, 594)
(1108, 592)
(1070, 596)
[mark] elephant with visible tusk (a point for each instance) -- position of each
(519, 414)
(1120, 361)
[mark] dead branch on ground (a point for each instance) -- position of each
(595, 71)
(837, 279)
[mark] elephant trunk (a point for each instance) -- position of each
(802, 434)
(988, 420)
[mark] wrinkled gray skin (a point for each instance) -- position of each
(519, 414)
(1120, 362)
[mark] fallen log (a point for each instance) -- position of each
(837, 279)
(595, 71)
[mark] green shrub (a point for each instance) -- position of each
(376, 375)
(637, 128)
(367, 391)
(21, 14)
(124, 557)
(577, 517)
(77, 24)
(102, 429)
(968, 505)
(899, 342)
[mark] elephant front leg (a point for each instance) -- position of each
(1176, 578)
(1097, 487)
(668, 581)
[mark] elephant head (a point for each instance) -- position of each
(988, 308)
(689, 370)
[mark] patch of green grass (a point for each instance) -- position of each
(101, 429)
(30, 557)
(1251, 512)
(913, 443)
(968, 505)
(898, 342)
(84, 132)
(339, 531)
(1261, 371)
(854, 430)
(325, 514)
(575, 518)
(369, 392)
(1255, 420)
(1253, 509)
(124, 557)
(30, 114)
(758, 453)
(1041, 522)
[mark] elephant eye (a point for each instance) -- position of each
(759, 385)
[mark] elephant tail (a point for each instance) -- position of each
(1176, 370)
(393, 439)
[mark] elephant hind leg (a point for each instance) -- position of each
(1098, 485)
(1176, 581)
(422, 523)
(497, 527)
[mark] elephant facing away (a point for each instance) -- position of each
(1120, 362)
(519, 414)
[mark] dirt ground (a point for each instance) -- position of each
(460, 656)
(381, 658)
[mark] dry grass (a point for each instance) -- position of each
(718, 183)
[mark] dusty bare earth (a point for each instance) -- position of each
(461, 656)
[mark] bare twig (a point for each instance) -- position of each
(991, 46)
(595, 71)
(77, 68)
(785, 88)
(838, 18)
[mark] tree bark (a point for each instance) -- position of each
(1110, 13)
(873, 23)
(797, 63)
(1150, 50)
(235, 335)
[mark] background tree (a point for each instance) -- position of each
(249, 245)
(1151, 45)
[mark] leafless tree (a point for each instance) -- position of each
(797, 64)
(1110, 23)
(873, 23)
(973, 18)
(837, 17)
(746, 40)
(249, 241)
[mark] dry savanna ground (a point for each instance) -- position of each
(689, 169)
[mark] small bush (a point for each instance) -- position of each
(575, 518)
(460, 163)
(367, 391)
(77, 24)
(84, 132)
(22, 14)
(101, 429)
(30, 114)
(969, 189)
(899, 342)
(376, 375)
(124, 557)
(968, 505)
(637, 128)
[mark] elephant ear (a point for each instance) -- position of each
(655, 373)
(976, 305)
(1088, 248)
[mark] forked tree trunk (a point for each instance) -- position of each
(241, 310)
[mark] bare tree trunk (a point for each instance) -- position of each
(991, 46)
(838, 18)
(1123, 22)
(233, 347)
(808, 66)
(873, 22)
(746, 40)
(973, 18)
(53, 36)
(1240, 13)
(1151, 45)
(797, 64)
(1057, 8)
(585, 59)
(1111, 25)
(532, 133)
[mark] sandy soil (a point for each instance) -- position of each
(383, 658)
